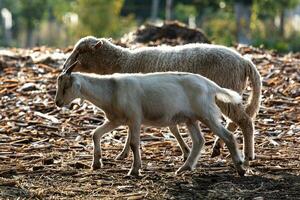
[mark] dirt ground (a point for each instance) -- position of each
(46, 152)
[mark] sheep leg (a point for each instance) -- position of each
(198, 142)
(135, 147)
(247, 127)
(126, 148)
(183, 146)
(239, 116)
(219, 144)
(97, 134)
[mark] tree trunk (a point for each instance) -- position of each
(282, 21)
(29, 37)
(154, 10)
(6, 25)
(169, 8)
(243, 15)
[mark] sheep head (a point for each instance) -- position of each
(91, 53)
(67, 88)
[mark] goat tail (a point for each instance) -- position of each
(254, 100)
(228, 96)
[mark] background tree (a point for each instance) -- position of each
(101, 18)
(242, 9)
(32, 12)
(61, 22)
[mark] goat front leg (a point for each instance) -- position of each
(97, 134)
(219, 144)
(134, 130)
(231, 144)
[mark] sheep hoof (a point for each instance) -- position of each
(121, 156)
(183, 168)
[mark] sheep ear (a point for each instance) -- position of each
(110, 39)
(70, 69)
(97, 45)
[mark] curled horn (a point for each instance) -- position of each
(69, 69)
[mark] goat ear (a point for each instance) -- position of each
(70, 69)
(110, 39)
(97, 45)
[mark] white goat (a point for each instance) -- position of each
(158, 99)
(222, 65)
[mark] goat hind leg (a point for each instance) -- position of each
(183, 146)
(198, 142)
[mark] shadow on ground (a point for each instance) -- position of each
(227, 186)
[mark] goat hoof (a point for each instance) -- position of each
(121, 157)
(183, 168)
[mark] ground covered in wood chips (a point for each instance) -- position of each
(46, 152)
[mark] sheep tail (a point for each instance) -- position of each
(254, 100)
(228, 96)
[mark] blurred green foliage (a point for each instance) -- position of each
(62, 22)
(102, 18)
(184, 11)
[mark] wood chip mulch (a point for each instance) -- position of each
(46, 152)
